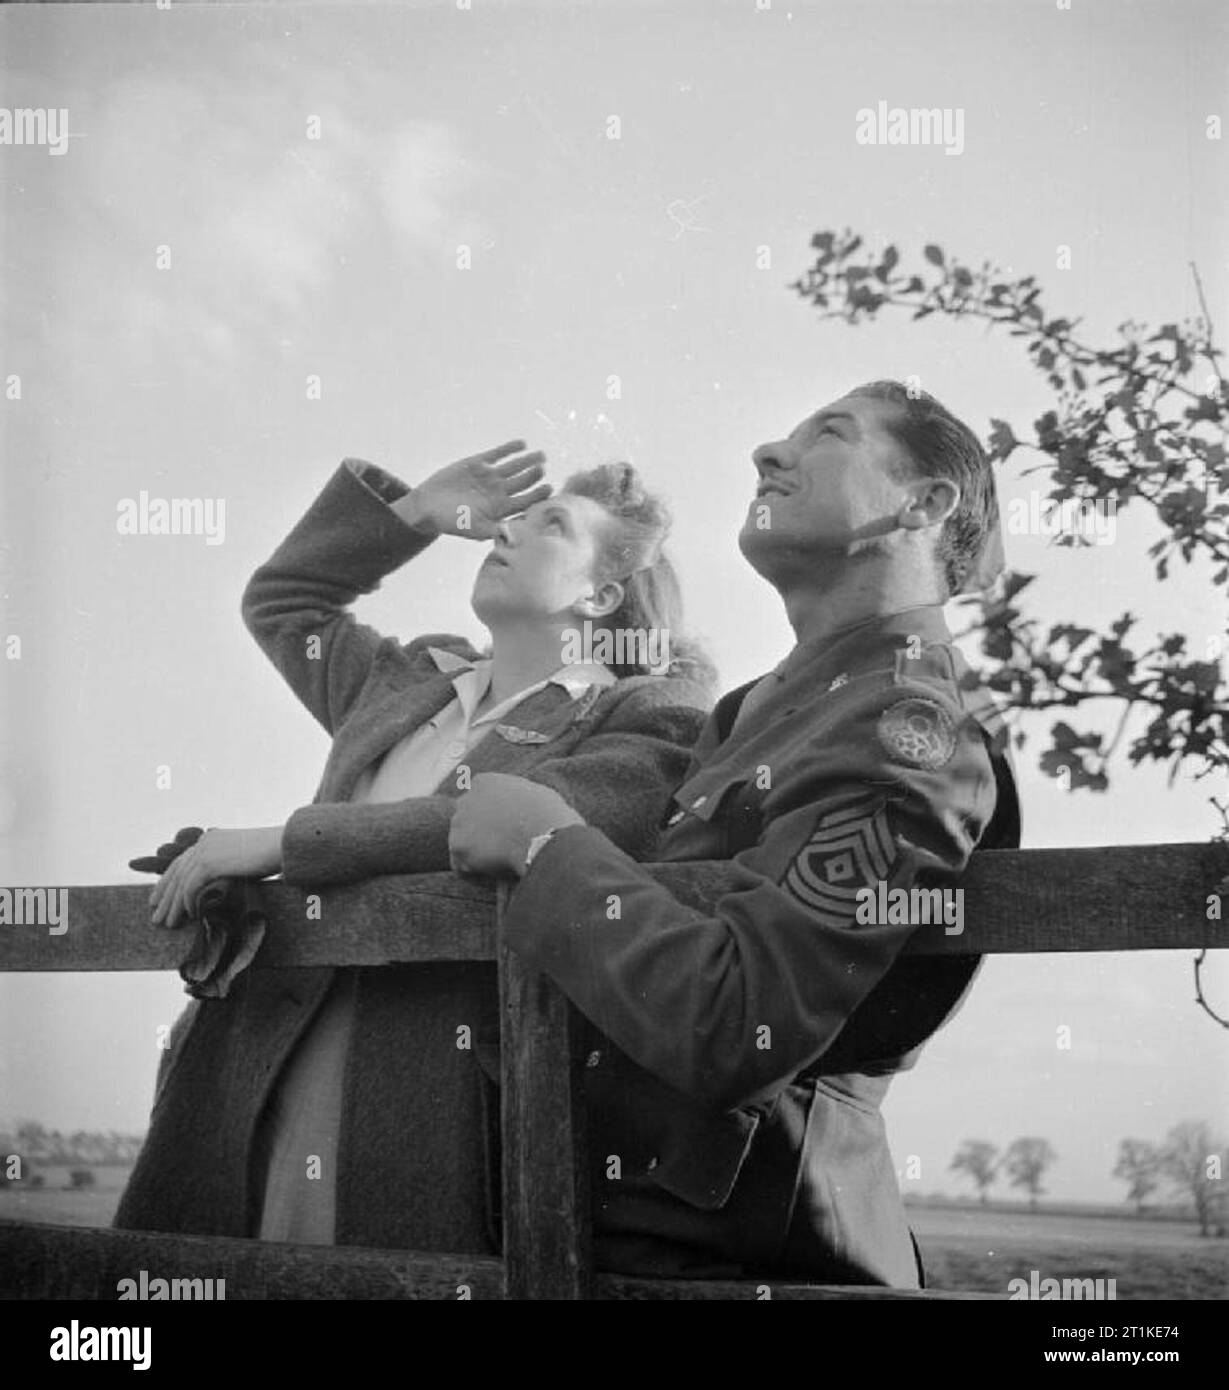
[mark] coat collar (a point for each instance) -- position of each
(575, 679)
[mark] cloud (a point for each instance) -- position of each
(259, 218)
(425, 174)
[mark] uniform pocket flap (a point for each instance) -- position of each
(703, 1157)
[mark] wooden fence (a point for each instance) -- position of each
(1125, 898)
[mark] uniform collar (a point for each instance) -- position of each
(853, 648)
(828, 662)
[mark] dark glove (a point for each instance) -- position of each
(230, 924)
(159, 862)
(230, 927)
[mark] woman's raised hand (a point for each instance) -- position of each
(472, 496)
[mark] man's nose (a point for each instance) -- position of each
(773, 456)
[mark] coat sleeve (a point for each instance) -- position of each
(295, 604)
(729, 1006)
(619, 778)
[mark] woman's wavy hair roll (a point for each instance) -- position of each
(633, 555)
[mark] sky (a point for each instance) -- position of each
(422, 209)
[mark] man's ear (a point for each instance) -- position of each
(603, 600)
(930, 502)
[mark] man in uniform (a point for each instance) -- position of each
(740, 1055)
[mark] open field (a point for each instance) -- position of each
(981, 1249)
(965, 1247)
(56, 1203)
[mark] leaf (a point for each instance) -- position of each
(1002, 439)
(933, 255)
(1073, 635)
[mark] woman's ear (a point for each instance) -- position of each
(605, 599)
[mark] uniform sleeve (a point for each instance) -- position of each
(619, 778)
(295, 604)
(728, 1007)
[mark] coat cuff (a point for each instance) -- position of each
(540, 905)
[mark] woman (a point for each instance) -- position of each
(342, 1105)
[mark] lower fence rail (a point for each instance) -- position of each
(42, 1262)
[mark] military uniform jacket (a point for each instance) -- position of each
(614, 754)
(740, 1054)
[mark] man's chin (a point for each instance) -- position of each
(757, 546)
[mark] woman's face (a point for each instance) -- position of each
(542, 562)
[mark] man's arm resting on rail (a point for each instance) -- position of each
(729, 1006)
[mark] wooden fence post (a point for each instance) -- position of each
(546, 1220)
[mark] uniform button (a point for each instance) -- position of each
(698, 802)
(456, 748)
(652, 1164)
(675, 818)
(593, 1059)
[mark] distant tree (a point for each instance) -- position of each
(978, 1159)
(1142, 422)
(81, 1177)
(1139, 1166)
(1194, 1159)
(32, 1137)
(1025, 1162)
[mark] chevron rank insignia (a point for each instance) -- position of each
(850, 849)
(918, 732)
(516, 735)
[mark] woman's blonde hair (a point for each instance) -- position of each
(632, 553)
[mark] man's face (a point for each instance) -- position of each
(826, 486)
(542, 561)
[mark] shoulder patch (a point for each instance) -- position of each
(850, 849)
(918, 732)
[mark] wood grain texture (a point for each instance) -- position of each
(546, 1218)
(52, 1262)
(1119, 898)
(41, 1262)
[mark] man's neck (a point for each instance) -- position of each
(827, 605)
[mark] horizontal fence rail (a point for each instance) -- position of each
(1125, 898)
(55, 1262)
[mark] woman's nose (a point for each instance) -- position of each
(503, 532)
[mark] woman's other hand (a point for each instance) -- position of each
(217, 854)
(471, 497)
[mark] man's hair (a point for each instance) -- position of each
(941, 446)
(631, 553)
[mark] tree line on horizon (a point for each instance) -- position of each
(34, 1143)
(1191, 1160)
